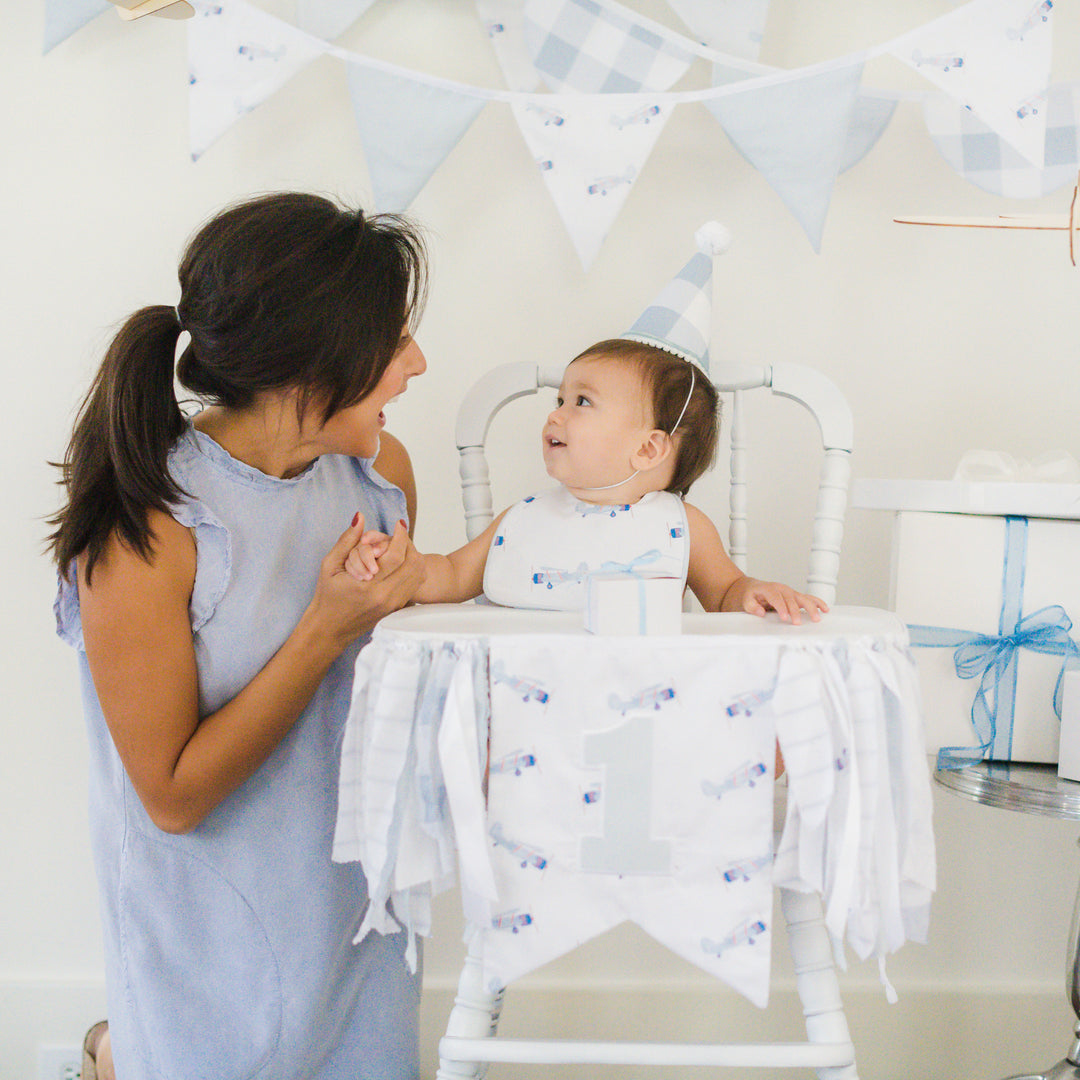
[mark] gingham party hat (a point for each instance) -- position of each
(679, 320)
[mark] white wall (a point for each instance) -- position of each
(943, 340)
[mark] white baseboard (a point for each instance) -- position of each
(949, 1032)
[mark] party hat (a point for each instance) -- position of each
(679, 320)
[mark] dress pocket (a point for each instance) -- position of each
(201, 979)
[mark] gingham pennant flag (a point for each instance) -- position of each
(237, 57)
(407, 128)
(589, 150)
(579, 45)
(678, 320)
(504, 21)
(993, 57)
(794, 132)
(329, 19)
(729, 26)
(982, 157)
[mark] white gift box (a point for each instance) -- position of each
(994, 587)
(633, 603)
(1069, 744)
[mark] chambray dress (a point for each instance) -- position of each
(229, 949)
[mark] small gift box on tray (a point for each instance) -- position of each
(987, 577)
(631, 603)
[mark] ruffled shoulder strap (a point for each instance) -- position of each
(213, 570)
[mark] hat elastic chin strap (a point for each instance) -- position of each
(608, 487)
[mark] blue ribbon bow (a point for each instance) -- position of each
(992, 658)
(631, 570)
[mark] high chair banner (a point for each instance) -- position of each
(631, 785)
(631, 779)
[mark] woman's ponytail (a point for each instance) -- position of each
(115, 468)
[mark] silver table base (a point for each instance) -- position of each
(1031, 789)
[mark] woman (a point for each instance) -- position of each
(203, 581)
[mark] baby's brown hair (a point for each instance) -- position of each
(667, 378)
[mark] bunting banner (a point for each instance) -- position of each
(967, 54)
(731, 26)
(590, 151)
(986, 160)
(613, 70)
(869, 119)
(794, 133)
(329, 19)
(237, 57)
(504, 21)
(580, 46)
(408, 128)
(64, 17)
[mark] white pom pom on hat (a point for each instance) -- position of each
(679, 320)
(713, 238)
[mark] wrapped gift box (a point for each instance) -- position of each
(989, 579)
(633, 603)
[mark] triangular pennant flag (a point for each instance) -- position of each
(504, 21)
(793, 131)
(589, 150)
(982, 157)
(407, 128)
(730, 26)
(869, 119)
(993, 57)
(237, 58)
(64, 17)
(329, 19)
(579, 45)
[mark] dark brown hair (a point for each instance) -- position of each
(279, 291)
(667, 378)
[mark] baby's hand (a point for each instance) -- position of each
(762, 596)
(363, 560)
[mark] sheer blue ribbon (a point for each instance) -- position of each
(631, 570)
(993, 658)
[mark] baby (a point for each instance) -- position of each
(633, 428)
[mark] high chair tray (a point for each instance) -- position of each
(457, 621)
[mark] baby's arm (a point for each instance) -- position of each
(721, 586)
(449, 579)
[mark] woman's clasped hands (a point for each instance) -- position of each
(366, 576)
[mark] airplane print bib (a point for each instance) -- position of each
(548, 544)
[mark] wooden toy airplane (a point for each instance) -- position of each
(165, 9)
(1058, 222)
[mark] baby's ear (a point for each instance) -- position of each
(654, 451)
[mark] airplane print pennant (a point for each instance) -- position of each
(986, 160)
(504, 21)
(589, 150)
(237, 58)
(968, 54)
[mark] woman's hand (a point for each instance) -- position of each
(758, 597)
(365, 576)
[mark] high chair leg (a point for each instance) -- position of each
(475, 1015)
(815, 977)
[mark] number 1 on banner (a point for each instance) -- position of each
(625, 847)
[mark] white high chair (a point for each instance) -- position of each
(470, 1041)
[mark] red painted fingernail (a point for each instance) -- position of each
(403, 523)
(355, 519)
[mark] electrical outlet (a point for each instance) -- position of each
(59, 1062)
